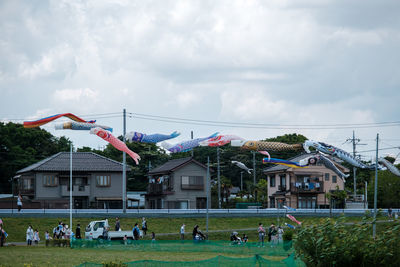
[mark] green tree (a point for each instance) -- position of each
(388, 189)
(262, 190)
(21, 147)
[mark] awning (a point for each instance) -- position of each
(109, 198)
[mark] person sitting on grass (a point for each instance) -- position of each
(245, 238)
(235, 239)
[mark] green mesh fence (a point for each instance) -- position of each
(223, 247)
(255, 261)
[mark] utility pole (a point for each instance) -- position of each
(219, 180)
(124, 166)
(241, 181)
(254, 167)
(375, 188)
(355, 141)
(191, 136)
(70, 187)
(208, 192)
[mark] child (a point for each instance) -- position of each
(125, 240)
(36, 237)
(47, 238)
(245, 238)
(153, 238)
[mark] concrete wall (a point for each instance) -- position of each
(190, 195)
(114, 190)
(46, 192)
(49, 192)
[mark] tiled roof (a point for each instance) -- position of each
(81, 161)
(174, 164)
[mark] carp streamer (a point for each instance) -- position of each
(37, 123)
(115, 142)
(149, 138)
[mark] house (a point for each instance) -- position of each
(178, 184)
(303, 188)
(97, 181)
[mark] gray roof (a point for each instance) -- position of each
(297, 158)
(174, 164)
(81, 161)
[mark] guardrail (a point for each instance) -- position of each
(218, 212)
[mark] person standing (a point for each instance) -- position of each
(195, 231)
(261, 234)
(144, 225)
(117, 224)
(2, 236)
(269, 232)
(19, 202)
(47, 238)
(390, 213)
(29, 235)
(274, 236)
(78, 231)
(36, 237)
(280, 235)
(182, 232)
(136, 232)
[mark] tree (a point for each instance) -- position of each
(388, 189)
(262, 190)
(21, 147)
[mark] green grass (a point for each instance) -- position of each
(16, 227)
(54, 256)
(42, 256)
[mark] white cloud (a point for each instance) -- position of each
(356, 37)
(186, 99)
(58, 59)
(301, 62)
(81, 94)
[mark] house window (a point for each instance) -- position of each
(272, 181)
(27, 183)
(326, 176)
(192, 182)
(103, 180)
(50, 180)
(283, 183)
(334, 179)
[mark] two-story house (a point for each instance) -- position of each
(97, 181)
(303, 188)
(178, 184)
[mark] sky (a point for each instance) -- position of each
(257, 69)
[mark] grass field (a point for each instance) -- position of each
(42, 256)
(55, 256)
(16, 227)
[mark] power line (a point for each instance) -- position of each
(373, 150)
(260, 125)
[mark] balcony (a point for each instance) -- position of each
(159, 189)
(77, 190)
(282, 188)
(311, 187)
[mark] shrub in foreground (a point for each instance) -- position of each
(334, 243)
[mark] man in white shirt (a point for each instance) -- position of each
(182, 232)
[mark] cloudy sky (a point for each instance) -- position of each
(285, 66)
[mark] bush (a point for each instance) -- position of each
(288, 235)
(334, 243)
